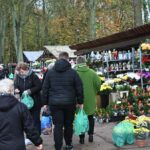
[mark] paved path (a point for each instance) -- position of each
(102, 141)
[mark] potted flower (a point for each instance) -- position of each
(105, 89)
(141, 134)
(100, 117)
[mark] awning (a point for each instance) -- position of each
(56, 50)
(126, 39)
(32, 56)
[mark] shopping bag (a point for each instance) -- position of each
(81, 123)
(11, 76)
(123, 133)
(27, 100)
(46, 122)
(46, 125)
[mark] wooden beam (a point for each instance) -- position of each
(118, 45)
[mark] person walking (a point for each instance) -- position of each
(91, 85)
(27, 82)
(15, 120)
(63, 89)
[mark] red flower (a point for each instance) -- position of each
(133, 117)
(145, 59)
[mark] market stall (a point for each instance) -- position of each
(121, 59)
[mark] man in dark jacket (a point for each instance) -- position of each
(63, 89)
(15, 120)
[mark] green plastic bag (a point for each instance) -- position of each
(123, 133)
(81, 123)
(11, 76)
(27, 100)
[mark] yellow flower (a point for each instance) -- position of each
(145, 46)
(105, 86)
(102, 78)
(140, 130)
(125, 77)
(134, 122)
(143, 118)
(116, 80)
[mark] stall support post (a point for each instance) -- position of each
(140, 53)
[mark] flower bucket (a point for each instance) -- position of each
(141, 143)
(104, 100)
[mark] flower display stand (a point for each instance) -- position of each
(113, 96)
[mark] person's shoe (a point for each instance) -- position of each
(69, 147)
(81, 140)
(91, 138)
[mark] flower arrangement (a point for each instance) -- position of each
(125, 77)
(145, 46)
(102, 78)
(141, 129)
(146, 75)
(105, 88)
(123, 87)
(117, 80)
(102, 115)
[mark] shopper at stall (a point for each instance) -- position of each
(15, 120)
(26, 81)
(91, 85)
(63, 88)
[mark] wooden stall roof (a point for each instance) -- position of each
(125, 39)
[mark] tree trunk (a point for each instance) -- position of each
(92, 18)
(148, 3)
(37, 31)
(45, 17)
(2, 36)
(146, 10)
(137, 6)
(17, 29)
(19, 12)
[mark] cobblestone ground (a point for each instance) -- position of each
(102, 141)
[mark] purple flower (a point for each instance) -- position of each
(146, 75)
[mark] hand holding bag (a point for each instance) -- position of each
(81, 123)
(27, 100)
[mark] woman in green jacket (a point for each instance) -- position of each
(91, 85)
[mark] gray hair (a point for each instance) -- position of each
(6, 86)
(80, 60)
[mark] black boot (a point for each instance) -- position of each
(69, 147)
(81, 141)
(91, 138)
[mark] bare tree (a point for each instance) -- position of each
(19, 8)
